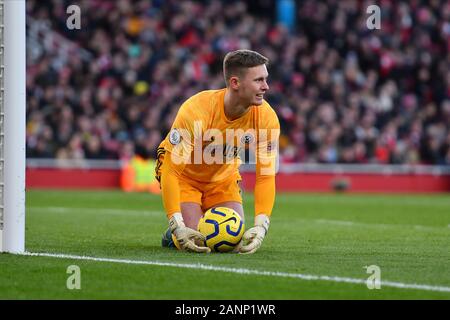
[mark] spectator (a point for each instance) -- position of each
(343, 93)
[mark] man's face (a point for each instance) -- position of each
(253, 85)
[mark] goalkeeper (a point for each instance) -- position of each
(198, 162)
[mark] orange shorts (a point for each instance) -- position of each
(206, 194)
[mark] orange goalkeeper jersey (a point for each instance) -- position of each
(205, 146)
(208, 147)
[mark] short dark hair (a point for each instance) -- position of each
(235, 62)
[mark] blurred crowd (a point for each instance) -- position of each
(343, 93)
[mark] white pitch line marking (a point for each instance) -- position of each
(339, 222)
(377, 225)
(243, 271)
(162, 214)
(95, 210)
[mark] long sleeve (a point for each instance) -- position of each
(170, 186)
(264, 194)
(266, 167)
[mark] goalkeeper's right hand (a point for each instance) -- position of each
(185, 236)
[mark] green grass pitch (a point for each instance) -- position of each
(334, 235)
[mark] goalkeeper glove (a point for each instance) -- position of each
(253, 237)
(185, 236)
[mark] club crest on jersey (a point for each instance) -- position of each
(247, 138)
(174, 137)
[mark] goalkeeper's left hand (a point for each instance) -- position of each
(253, 237)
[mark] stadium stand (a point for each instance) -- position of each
(343, 93)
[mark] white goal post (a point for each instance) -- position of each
(12, 123)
